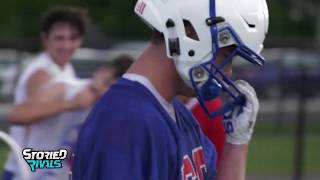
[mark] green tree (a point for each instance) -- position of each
(19, 19)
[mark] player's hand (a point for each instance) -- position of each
(239, 127)
(102, 81)
(98, 86)
(85, 98)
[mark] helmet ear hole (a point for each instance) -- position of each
(191, 53)
(190, 30)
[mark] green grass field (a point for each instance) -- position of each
(273, 152)
(270, 153)
(274, 155)
(3, 155)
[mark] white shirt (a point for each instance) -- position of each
(51, 133)
(168, 106)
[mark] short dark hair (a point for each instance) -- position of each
(157, 38)
(75, 16)
(121, 64)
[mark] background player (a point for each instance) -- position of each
(48, 88)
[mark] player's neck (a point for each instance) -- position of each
(56, 61)
(154, 65)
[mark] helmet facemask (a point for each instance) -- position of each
(216, 83)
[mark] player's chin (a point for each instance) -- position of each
(187, 91)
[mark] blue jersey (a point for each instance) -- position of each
(129, 135)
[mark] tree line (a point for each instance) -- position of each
(19, 19)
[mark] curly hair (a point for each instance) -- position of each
(75, 16)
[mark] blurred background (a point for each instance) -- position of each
(286, 143)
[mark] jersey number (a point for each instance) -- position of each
(188, 171)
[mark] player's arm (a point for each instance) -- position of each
(239, 129)
(44, 101)
(233, 162)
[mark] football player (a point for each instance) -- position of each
(47, 89)
(138, 130)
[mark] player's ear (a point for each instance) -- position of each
(44, 37)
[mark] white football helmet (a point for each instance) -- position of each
(217, 24)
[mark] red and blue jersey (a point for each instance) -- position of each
(129, 135)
